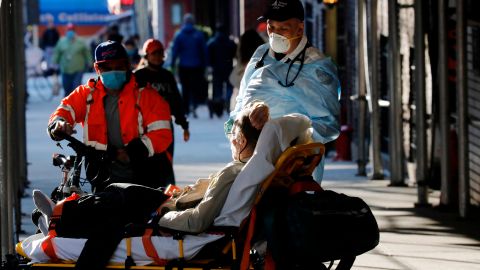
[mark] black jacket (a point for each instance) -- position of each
(164, 82)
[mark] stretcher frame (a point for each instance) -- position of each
(295, 161)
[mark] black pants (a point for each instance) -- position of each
(101, 219)
(194, 87)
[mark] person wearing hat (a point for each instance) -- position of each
(128, 126)
(164, 82)
(289, 75)
(73, 57)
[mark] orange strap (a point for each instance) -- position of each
(245, 264)
(150, 249)
(49, 249)
(47, 245)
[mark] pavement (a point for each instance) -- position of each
(410, 238)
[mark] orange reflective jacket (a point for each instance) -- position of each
(143, 113)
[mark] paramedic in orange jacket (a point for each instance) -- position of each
(127, 125)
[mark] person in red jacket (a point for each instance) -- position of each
(128, 126)
(164, 82)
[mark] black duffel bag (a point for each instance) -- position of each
(325, 226)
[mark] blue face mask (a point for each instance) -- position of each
(114, 80)
(70, 34)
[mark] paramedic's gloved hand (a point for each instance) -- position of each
(259, 115)
(59, 128)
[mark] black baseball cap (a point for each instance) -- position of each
(110, 51)
(282, 10)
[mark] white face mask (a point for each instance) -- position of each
(278, 43)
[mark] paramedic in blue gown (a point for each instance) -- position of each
(289, 75)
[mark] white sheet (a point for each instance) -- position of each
(69, 249)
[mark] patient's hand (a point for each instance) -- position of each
(259, 115)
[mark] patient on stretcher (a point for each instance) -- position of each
(225, 203)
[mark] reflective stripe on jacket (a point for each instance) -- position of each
(143, 113)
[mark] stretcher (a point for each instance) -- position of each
(140, 252)
(228, 243)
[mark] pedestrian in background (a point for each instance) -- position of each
(164, 82)
(48, 42)
(249, 42)
(221, 51)
(73, 57)
(113, 33)
(132, 51)
(190, 48)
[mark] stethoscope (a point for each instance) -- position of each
(300, 57)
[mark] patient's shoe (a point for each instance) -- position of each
(43, 203)
(43, 225)
(40, 220)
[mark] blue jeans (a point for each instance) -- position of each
(71, 81)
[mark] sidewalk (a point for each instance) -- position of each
(410, 238)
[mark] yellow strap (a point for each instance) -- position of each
(20, 251)
(180, 249)
(129, 246)
(234, 250)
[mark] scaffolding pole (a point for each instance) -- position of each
(372, 87)
(3, 120)
(7, 15)
(395, 131)
(462, 113)
(420, 108)
(444, 114)
(361, 91)
(18, 132)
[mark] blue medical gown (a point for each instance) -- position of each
(315, 92)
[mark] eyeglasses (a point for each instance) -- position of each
(230, 135)
(233, 133)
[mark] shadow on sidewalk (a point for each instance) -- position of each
(441, 222)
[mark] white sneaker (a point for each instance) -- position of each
(43, 203)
